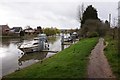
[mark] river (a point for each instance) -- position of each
(14, 59)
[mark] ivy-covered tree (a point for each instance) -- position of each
(39, 29)
(89, 13)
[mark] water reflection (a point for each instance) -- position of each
(34, 56)
(52, 39)
(7, 41)
(13, 60)
(31, 57)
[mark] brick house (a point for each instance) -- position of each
(15, 31)
(4, 29)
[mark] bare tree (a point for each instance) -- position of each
(80, 12)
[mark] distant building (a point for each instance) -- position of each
(119, 13)
(4, 29)
(29, 31)
(15, 31)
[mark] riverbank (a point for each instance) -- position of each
(69, 63)
(7, 37)
(112, 54)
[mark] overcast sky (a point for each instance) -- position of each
(51, 13)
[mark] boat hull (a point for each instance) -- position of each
(29, 49)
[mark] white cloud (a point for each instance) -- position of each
(47, 13)
(59, 1)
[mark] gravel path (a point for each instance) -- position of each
(98, 66)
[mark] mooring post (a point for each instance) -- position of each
(62, 39)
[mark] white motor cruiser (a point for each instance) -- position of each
(37, 44)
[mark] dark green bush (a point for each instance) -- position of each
(93, 34)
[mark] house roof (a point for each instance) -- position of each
(17, 29)
(4, 26)
(29, 30)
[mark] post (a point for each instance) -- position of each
(62, 39)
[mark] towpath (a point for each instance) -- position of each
(98, 66)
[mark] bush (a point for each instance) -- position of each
(93, 34)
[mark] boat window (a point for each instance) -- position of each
(36, 39)
(35, 43)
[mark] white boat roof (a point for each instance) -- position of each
(74, 33)
(40, 35)
(28, 44)
(36, 38)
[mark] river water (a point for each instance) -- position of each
(13, 59)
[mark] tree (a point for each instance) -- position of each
(51, 31)
(39, 29)
(89, 13)
(107, 24)
(57, 31)
(28, 27)
(119, 38)
(80, 12)
(91, 28)
(22, 33)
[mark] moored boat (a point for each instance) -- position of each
(37, 44)
(29, 46)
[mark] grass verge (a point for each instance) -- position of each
(69, 63)
(111, 52)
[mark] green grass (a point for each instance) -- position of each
(69, 63)
(111, 52)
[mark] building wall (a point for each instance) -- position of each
(4, 29)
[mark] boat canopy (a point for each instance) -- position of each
(42, 35)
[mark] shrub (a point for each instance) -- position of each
(93, 34)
